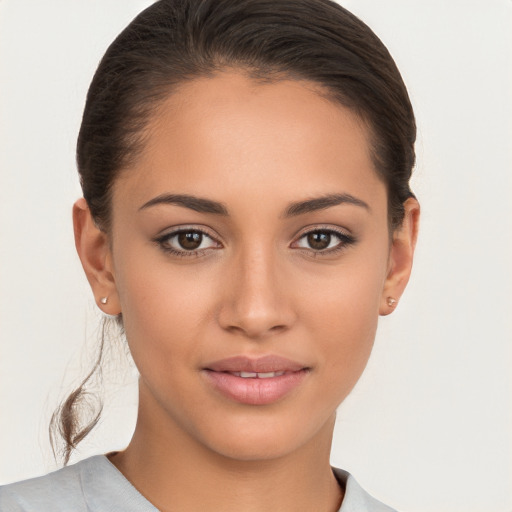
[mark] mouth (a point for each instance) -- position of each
(255, 381)
(257, 375)
(256, 365)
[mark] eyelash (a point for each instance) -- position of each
(163, 241)
(345, 240)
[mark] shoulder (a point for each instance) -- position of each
(56, 491)
(88, 486)
(356, 498)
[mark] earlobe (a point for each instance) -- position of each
(93, 248)
(401, 257)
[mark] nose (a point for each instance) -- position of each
(256, 299)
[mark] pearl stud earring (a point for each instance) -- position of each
(104, 300)
(391, 302)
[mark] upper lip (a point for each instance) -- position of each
(268, 363)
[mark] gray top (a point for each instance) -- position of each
(96, 485)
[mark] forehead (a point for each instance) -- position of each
(230, 135)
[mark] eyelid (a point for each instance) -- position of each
(345, 236)
(184, 228)
(323, 227)
(171, 232)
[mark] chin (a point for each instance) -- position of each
(253, 448)
(252, 440)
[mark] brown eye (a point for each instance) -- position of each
(319, 240)
(324, 241)
(190, 240)
(187, 242)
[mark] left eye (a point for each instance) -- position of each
(187, 241)
(322, 240)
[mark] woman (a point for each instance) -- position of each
(246, 217)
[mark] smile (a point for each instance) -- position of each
(256, 375)
(260, 381)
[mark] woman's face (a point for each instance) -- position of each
(251, 258)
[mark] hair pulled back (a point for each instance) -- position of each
(175, 41)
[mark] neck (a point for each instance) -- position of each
(176, 472)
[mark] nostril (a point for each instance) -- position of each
(255, 330)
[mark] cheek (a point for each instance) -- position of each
(341, 314)
(345, 330)
(164, 308)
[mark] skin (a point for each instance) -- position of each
(254, 287)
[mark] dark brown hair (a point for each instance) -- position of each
(174, 41)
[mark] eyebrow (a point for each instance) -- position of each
(321, 203)
(202, 205)
(197, 204)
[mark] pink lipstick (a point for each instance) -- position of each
(255, 381)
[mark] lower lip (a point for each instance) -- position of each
(254, 391)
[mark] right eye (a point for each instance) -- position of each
(187, 242)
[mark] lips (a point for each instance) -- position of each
(255, 381)
(269, 363)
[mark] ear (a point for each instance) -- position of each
(400, 257)
(93, 248)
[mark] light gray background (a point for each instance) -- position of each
(429, 426)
